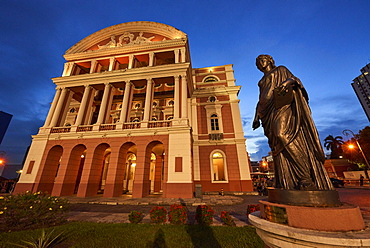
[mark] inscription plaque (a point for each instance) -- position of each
(276, 214)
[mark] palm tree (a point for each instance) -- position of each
(335, 145)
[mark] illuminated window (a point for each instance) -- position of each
(214, 123)
(218, 166)
(210, 79)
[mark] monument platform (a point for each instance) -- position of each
(279, 235)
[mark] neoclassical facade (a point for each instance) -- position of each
(131, 116)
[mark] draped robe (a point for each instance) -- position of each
(292, 135)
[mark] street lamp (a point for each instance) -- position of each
(346, 132)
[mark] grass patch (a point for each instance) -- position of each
(87, 234)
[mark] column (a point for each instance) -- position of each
(111, 64)
(176, 111)
(103, 104)
(148, 100)
(125, 102)
(63, 113)
(183, 55)
(130, 61)
(93, 65)
(68, 66)
(82, 110)
(184, 97)
(177, 56)
(59, 107)
(52, 107)
(151, 59)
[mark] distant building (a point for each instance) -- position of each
(361, 86)
(131, 115)
(4, 123)
(255, 165)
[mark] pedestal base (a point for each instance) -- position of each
(335, 219)
(277, 235)
(314, 198)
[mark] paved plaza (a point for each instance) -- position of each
(117, 209)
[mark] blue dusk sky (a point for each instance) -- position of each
(324, 43)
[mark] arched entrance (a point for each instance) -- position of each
(149, 170)
(130, 172)
(92, 177)
(69, 176)
(49, 170)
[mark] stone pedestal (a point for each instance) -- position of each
(278, 235)
(293, 218)
(336, 219)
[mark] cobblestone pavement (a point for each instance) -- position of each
(117, 209)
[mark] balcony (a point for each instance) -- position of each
(111, 127)
(216, 136)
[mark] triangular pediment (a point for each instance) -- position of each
(127, 35)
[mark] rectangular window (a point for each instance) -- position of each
(178, 164)
(214, 124)
(30, 167)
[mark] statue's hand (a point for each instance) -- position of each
(256, 124)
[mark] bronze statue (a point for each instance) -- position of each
(286, 119)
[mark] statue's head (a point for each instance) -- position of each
(263, 61)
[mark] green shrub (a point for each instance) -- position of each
(31, 210)
(158, 214)
(227, 219)
(135, 217)
(204, 215)
(177, 214)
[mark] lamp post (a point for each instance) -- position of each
(346, 132)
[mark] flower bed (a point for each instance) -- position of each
(178, 214)
(253, 208)
(158, 215)
(204, 215)
(227, 219)
(135, 217)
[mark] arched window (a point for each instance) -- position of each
(218, 166)
(210, 79)
(214, 122)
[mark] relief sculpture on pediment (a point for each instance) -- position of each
(125, 39)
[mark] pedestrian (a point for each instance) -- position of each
(361, 180)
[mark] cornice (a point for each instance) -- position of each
(117, 51)
(123, 75)
(222, 90)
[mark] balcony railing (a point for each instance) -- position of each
(111, 127)
(216, 136)
(60, 130)
(107, 127)
(84, 128)
(131, 125)
(153, 124)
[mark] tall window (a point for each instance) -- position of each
(218, 165)
(214, 122)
